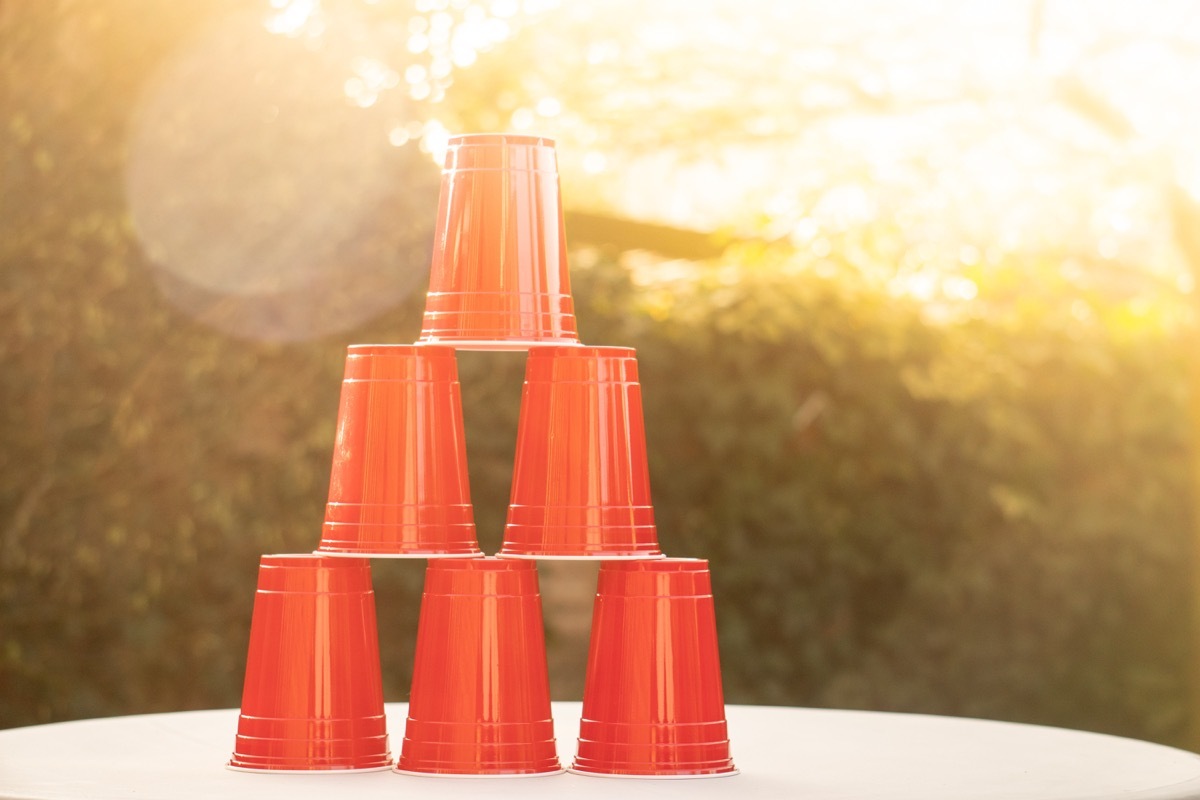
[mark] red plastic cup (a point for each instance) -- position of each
(581, 485)
(313, 698)
(398, 487)
(652, 699)
(499, 279)
(480, 700)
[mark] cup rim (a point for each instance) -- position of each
(585, 351)
(498, 345)
(483, 563)
(312, 555)
(599, 556)
(501, 138)
(368, 554)
(657, 776)
(475, 775)
(667, 561)
(326, 770)
(399, 349)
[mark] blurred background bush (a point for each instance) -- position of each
(911, 284)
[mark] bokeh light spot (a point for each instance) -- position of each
(272, 207)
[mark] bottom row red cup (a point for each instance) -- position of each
(313, 697)
(653, 704)
(480, 700)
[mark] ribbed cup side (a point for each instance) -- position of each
(678, 760)
(293, 754)
(479, 748)
(452, 317)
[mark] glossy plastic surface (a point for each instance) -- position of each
(313, 698)
(652, 702)
(480, 700)
(581, 485)
(398, 486)
(498, 278)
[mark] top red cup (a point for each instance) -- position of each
(499, 279)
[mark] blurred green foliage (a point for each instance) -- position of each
(984, 515)
(989, 517)
(970, 519)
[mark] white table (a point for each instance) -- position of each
(786, 753)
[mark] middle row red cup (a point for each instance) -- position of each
(398, 485)
(581, 482)
(581, 485)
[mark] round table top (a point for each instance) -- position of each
(781, 752)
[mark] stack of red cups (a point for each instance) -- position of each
(480, 701)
